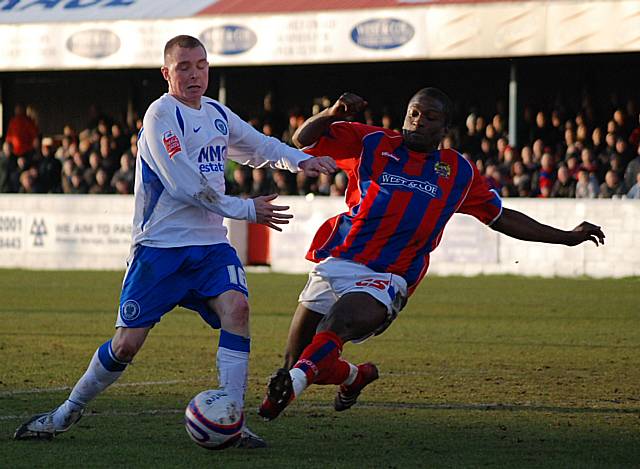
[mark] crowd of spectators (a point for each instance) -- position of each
(568, 156)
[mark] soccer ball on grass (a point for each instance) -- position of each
(213, 420)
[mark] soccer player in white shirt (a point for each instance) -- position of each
(180, 252)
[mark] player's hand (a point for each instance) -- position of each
(586, 231)
(269, 214)
(314, 166)
(347, 105)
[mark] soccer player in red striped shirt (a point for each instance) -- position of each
(402, 192)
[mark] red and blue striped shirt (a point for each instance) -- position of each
(399, 200)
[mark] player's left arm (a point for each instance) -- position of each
(518, 225)
(249, 147)
(486, 205)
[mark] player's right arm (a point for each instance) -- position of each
(347, 105)
(181, 179)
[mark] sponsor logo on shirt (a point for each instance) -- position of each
(412, 184)
(211, 158)
(171, 143)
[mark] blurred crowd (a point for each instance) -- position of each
(582, 155)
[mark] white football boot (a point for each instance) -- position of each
(41, 426)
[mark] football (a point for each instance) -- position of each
(213, 420)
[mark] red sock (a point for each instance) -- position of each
(321, 360)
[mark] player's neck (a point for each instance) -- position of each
(190, 103)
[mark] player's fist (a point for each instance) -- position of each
(347, 105)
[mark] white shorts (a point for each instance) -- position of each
(334, 277)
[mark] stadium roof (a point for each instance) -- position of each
(90, 34)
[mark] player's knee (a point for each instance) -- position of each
(125, 348)
(238, 313)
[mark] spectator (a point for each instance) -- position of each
(541, 130)
(634, 192)
(565, 185)
(124, 177)
(21, 132)
(29, 182)
(49, 169)
(89, 173)
(101, 184)
(587, 185)
(324, 184)
(633, 169)
(78, 184)
(520, 180)
(262, 184)
(546, 175)
(241, 183)
(339, 186)
(284, 184)
(8, 164)
(612, 186)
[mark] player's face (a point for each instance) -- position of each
(187, 72)
(425, 124)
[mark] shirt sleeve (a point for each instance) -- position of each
(341, 142)
(249, 147)
(481, 202)
(168, 158)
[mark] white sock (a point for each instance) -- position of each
(299, 379)
(233, 364)
(104, 369)
(353, 374)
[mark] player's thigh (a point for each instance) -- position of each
(355, 315)
(153, 285)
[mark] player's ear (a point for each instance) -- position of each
(165, 72)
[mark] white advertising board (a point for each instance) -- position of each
(453, 31)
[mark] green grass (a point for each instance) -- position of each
(477, 372)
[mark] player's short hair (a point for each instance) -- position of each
(183, 40)
(441, 96)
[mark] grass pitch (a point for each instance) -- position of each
(477, 372)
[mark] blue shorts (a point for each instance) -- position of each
(159, 279)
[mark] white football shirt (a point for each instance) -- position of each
(179, 184)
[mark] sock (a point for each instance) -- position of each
(104, 369)
(232, 361)
(321, 362)
(353, 374)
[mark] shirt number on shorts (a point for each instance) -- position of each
(237, 275)
(374, 283)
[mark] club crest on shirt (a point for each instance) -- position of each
(221, 126)
(442, 169)
(171, 143)
(130, 310)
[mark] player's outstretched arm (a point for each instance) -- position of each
(347, 105)
(518, 225)
(269, 214)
